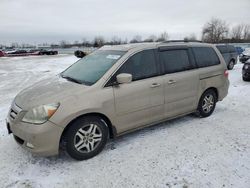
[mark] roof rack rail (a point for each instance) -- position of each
(185, 40)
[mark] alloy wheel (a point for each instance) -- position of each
(208, 103)
(87, 138)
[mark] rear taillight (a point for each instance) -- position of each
(226, 73)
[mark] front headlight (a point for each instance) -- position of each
(246, 66)
(40, 114)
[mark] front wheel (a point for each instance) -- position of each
(230, 65)
(86, 137)
(207, 103)
(245, 79)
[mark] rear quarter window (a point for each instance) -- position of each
(205, 56)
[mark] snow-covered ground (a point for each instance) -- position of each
(186, 152)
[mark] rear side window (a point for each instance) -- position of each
(141, 65)
(231, 49)
(205, 56)
(223, 49)
(174, 60)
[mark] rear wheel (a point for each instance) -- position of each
(230, 65)
(207, 103)
(86, 137)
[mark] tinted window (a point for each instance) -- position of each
(222, 49)
(141, 65)
(205, 56)
(231, 49)
(174, 60)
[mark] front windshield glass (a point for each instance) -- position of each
(92, 67)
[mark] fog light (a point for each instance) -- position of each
(29, 145)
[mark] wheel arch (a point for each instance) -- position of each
(111, 128)
(211, 88)
(233, 59)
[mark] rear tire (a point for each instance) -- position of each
(86, 137)
(230, 65)
(207, 103)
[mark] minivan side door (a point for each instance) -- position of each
(140, 102)
(181, 81)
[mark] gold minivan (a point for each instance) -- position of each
(116, 90)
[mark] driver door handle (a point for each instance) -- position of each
(171, 82)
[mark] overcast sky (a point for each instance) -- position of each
(36, 21)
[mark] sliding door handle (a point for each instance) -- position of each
(155, 85)
(171, 82)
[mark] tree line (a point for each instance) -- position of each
(219, 31)
(214, 31)
(99, 41)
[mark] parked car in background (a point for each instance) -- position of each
(33, 51)
(229, 53)
(22, 52)
(47, 52)
(246, 71)
(116, 90)
(17, 52)
(245, 56)
(80, 54)
(239, 50)
(2, 54)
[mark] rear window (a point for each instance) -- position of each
(231, 49)
(174, 60)
(205, 56)
(223, 49)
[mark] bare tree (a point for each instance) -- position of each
(63, 44)
(246, 32)
(163, 37)
(98, 41)
(85, 42)
(115, 40)
(237, 31)
(125, 41)
(215, 30)
(192, 36)
(76, 43)
(136, 39)
(151, 38)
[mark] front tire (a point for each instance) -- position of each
(86, 137)
(230, 65)
(207, 103)
(245, 79)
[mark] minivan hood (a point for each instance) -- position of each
(51, 90)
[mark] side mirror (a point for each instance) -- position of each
(80, 54)
(124, 78)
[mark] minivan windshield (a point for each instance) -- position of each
(92, 67)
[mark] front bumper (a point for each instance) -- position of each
(244, 59)
(42, 140)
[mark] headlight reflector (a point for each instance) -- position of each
(40, 114)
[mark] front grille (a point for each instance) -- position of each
(14, 111)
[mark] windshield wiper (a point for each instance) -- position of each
(71, 79)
